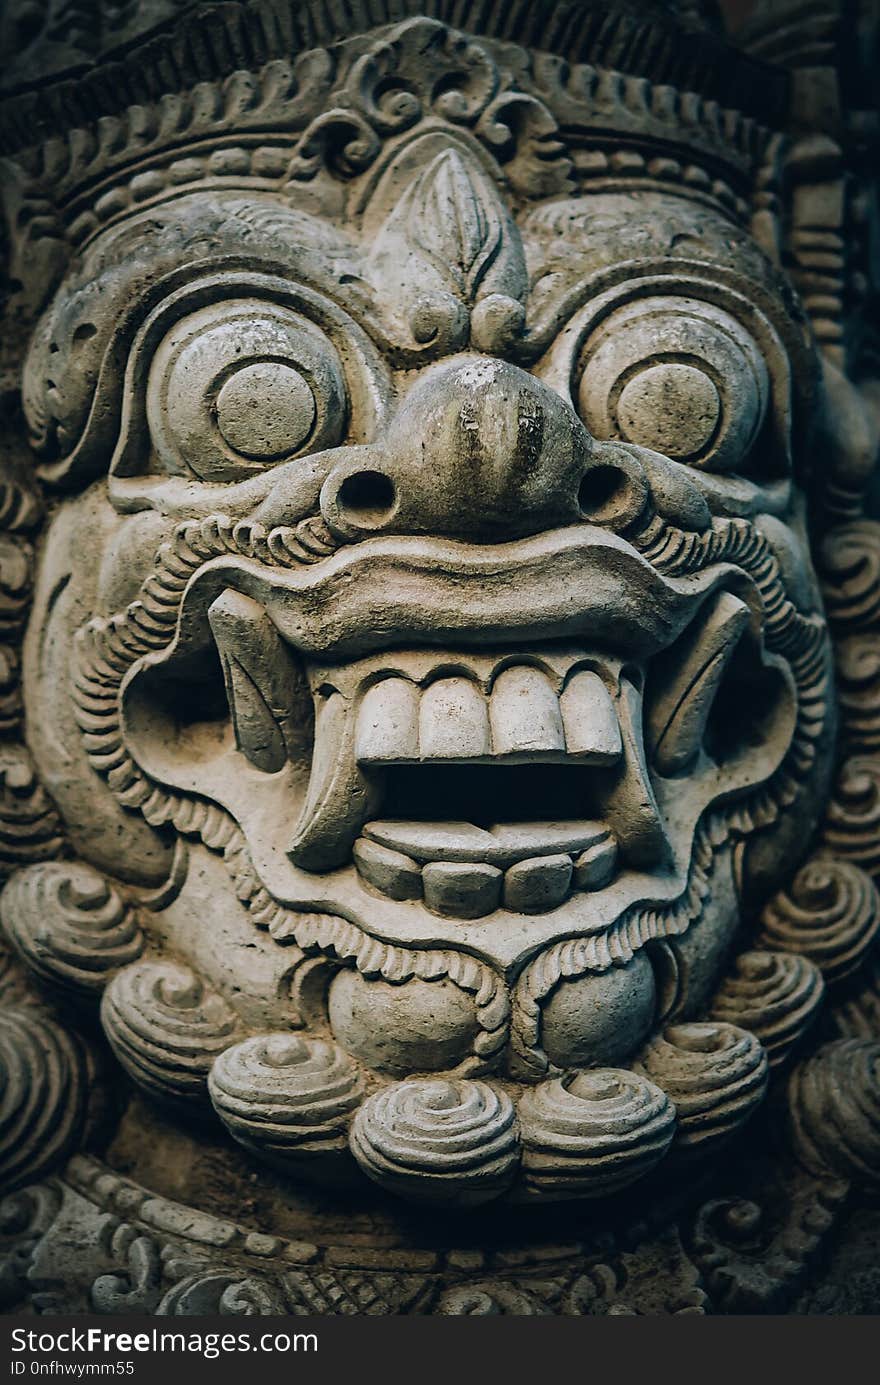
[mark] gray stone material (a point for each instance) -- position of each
(438, 706)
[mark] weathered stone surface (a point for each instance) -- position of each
(420, 756)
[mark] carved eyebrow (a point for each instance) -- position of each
(108, 293)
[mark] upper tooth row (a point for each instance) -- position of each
(523, 717)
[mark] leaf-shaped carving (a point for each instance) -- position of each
(452, 216)
(453, 220)
(447, 241)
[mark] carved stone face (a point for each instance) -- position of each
(443, 587)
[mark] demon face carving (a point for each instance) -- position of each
(430, 644)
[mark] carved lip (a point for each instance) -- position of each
(461, 870)
(499, 844)
(575, 583)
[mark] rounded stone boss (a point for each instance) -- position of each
(421, 726)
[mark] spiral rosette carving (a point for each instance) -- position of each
(44, 1096)
(858, 692)
(9, 975)
(10, 690)
(281, 1095)
(20, 506)
(852, 822)
(850, 564)
(166, 1028)
(16, 564)
(715, 1075)
(70, 925)
(438, 1141)
(775, 995)
(858, 1016)
(29, 826)
(830, 914)
(232, 1293)
(834, 1110)
(591, 1133)
(16, 991)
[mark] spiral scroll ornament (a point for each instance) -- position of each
(830, 914)
(716, 1076)
(592, 1133)
(858, 692)
(69, 925)
(849, 561)
(284, 1096)
(166, 1028)
(489, 1299)
(229, 1292)
(775, 995)
(834, 1111)
(438, 1141)
(852, 822)
(45, 1080)
(29, 826)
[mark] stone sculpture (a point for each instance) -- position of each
(432, 760)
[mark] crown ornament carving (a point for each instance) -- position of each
(545, 123)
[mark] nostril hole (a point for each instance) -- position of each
(600, 488)
(612, 495)
(367, 497)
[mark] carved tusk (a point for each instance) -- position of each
(340, 798)
(261, 679)
(680, 706)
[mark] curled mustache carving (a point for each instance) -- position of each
(658, 564)
(329, 606)
(448, 590)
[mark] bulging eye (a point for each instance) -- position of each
(242, 385)
(676, 375)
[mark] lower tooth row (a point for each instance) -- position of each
(470, 890)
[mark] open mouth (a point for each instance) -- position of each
(469, 782)
(499, 780)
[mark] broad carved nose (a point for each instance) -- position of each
(481, 450)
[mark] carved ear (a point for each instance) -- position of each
(446, 248)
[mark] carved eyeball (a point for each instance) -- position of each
(242, 385)
(678, 376)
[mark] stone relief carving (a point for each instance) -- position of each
(438, 680)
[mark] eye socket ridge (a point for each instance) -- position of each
(680, 376)
(239, 385)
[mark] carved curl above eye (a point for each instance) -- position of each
(676, 375)
(241, 385)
